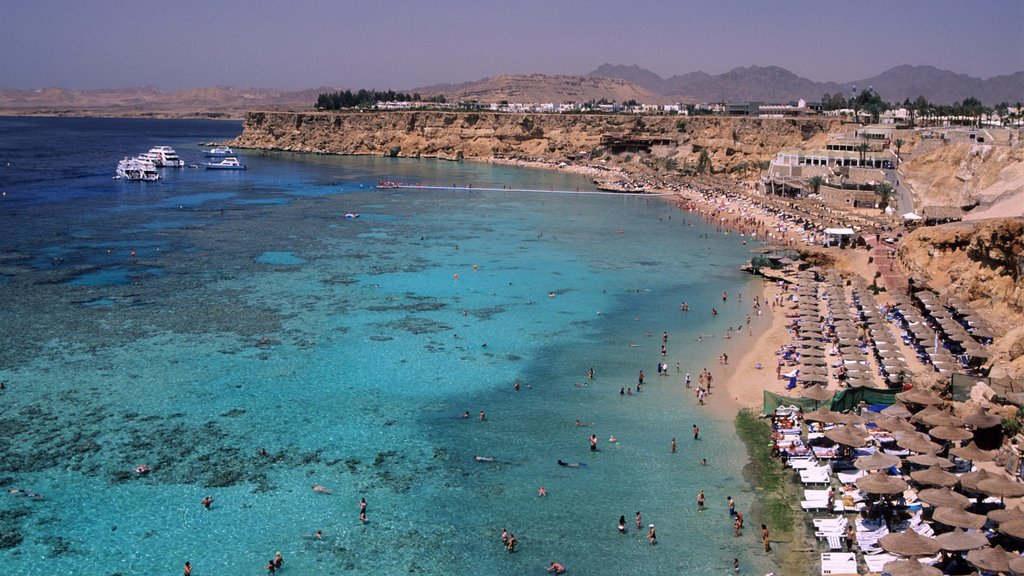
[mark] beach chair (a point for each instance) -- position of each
(875, 562)
(814, 505)
(835, 541)
(815, 476)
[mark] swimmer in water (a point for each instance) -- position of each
(320, 489)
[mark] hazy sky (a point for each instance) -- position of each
(404, 44)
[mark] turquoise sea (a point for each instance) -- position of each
(255, 315)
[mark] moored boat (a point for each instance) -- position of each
(229, 163)
(165, 157)
(137, 169)
(220, 152)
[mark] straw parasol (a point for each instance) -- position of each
(916, 442)
(960, 541)
(1004, 515)
(991, 559)
(848, 436)
(930, 460)
(825, 416)
(897, 410)
(970, 480)
(1001, 486)
(910, 568)
(909, 543)
(927, 412)
(1013, 528)
(958, 517)
(934, 477)
(982, 420)
(942, 419)
(893, 424)
(950, 433)
(973, 453)
(816, 393)
(881, 484)
(876, 461)
(943, 497)
(919, 396)
(1017, 565)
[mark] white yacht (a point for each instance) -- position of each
(165, 157)
(229, 163)
(220, 152)
(137, 169)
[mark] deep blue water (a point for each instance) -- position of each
(254, 315)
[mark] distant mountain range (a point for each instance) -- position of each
(774, 84)
(615, 83)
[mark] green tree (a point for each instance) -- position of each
(862, 151)
(898, 143)
(703, 161)
(815, 183)
(884, 192)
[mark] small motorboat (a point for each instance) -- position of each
(483, 458)
(351, 215)
(220, 152)
(229, 163)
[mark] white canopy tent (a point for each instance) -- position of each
(838, 236)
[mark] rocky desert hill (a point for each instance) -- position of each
(734, 145)
(986, 177)
(545, 88)
(982, 263)
(775, 84)
(217, 101)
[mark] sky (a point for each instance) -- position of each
(406, 44)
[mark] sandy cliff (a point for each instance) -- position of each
(983, 263)
(962, 175)
(732, 143)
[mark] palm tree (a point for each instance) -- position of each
(862, 149)
(884, 192)
(898, 143)
(815, 183)
(703, 161)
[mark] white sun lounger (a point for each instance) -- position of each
(875, 562)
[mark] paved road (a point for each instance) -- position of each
(902, 201)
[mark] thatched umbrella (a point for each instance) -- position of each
(958, 517)
(876, 461)
(934, 477)
(942, 419)
(916, 442)
(991, 559)
(825, 416)
(1017, 565)
(848, 436)
(909, 543)
(919, 396)
(950, 433)
(930, 460)
(927, 412)
(897, 410)
(816, 393)
(1013, 528)
(960, 541)
(943, 497)
(881, 484)
(1004, 515)
(973, 453)
(893, 424)
(1001, 486)
(982, 420)
(969, 481)
(910, 568)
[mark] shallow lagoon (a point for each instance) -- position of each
(255, 315)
